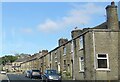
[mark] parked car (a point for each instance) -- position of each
(50, 75)
(27, 73)
(3, 72)
(35, 74)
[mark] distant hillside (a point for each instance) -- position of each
(8, 58)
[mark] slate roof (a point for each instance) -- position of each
(21, 59)
(103, 26)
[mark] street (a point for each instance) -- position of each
(16, 78)
(12, 77)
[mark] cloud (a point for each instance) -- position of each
(82, 13)
(79, 14)
(26, 30)
(48, 25)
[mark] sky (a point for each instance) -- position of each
(29, 27)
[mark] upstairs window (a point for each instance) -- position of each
(72, 46)
(50, 57)
(64, 51)
(81, 42)
(55, 54)
(102, 61)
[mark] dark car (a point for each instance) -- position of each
(35, 74)
(27, 73)
(50, 75)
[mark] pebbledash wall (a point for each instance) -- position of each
(91, 54)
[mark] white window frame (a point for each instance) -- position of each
(65, 64)
(80, 64)
(55, 54)
(50, 57)
(64, 50)
(72, 47)
(81, 42)
(107, 58)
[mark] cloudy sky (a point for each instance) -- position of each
(28, 27)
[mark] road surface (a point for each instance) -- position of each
(21, 78)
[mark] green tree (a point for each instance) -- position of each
(8, 58)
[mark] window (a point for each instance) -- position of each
(50, 66)
(102, 61)
(50, 58)
(64, 51)
(81, 42)
(81, 63)
(64, 63)
(55, 54)
(72, 46)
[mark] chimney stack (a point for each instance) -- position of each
(62, 41)
(112, 17)
(44, 52)
(76, 33)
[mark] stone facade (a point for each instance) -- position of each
(91, 54)
(8, 67)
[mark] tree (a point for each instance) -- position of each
(8, 59)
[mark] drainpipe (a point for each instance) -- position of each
(94, 55)
(73, 60)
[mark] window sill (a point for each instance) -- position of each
(80, 49)
(64, 54)
(55, 61)
(103, 69)
(71, 52)
(81, 71)
(64, 71)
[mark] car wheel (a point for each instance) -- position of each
(30, 77)
(44, 80)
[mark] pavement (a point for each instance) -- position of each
(3, 77)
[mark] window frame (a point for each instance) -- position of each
(64, 50)
(55, 54)
(80, 64)
(64, 64)
(72, 47)
(81, 42)
(50, 57)
(100, 58)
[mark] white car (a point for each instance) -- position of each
(3, 72)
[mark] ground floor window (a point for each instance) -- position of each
(65, 63)
(81, 64)
(102, 61)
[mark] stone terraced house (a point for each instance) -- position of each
(92, 53)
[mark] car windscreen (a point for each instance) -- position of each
(52, 72)
(36, 70)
